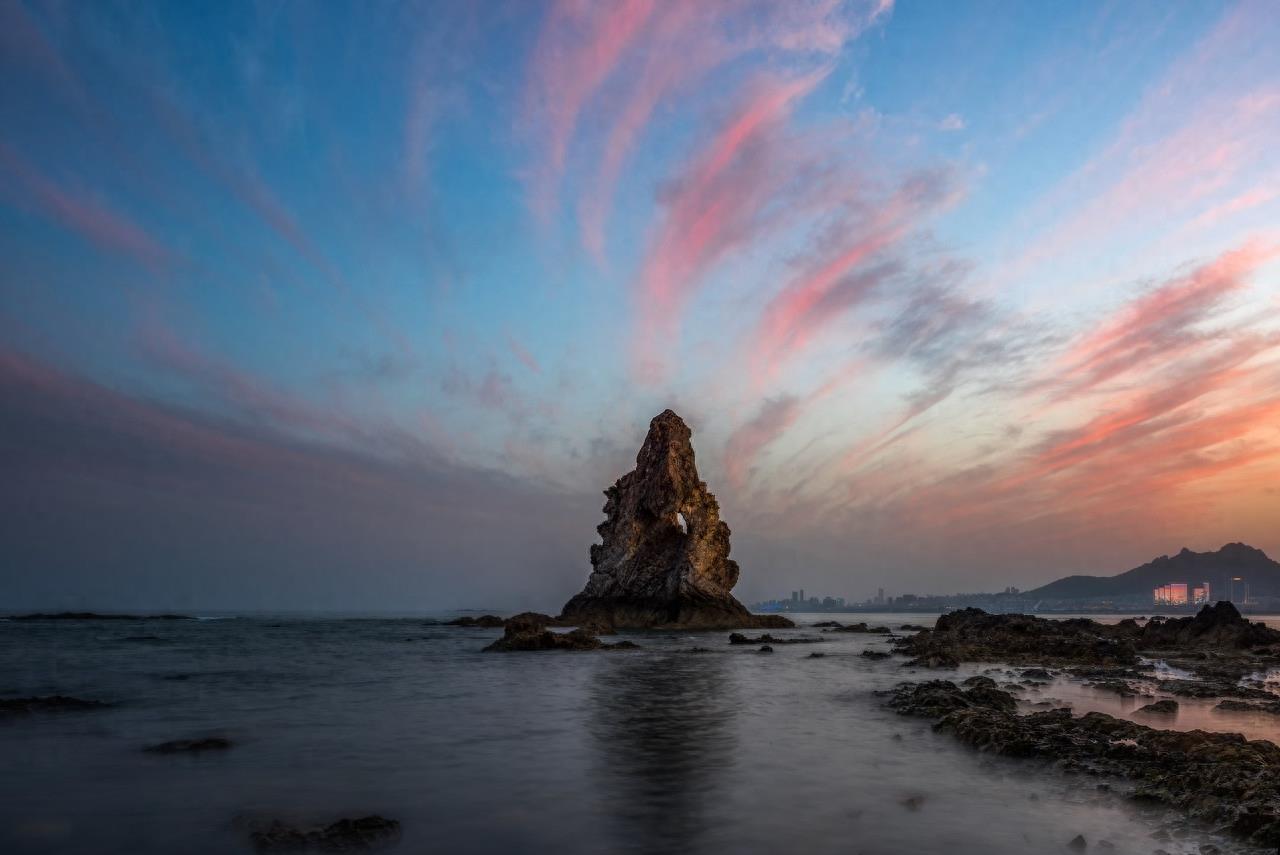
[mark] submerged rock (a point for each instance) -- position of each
(345, 835)
(193, 746)
(664, 556)
(49, 703)
(1165, 707)
(739, 638)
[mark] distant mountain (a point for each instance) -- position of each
(1194, 568)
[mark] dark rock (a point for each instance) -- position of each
(664, 556)
(912, 627)
(739, 638)
(48, 704)
(345, 835)
(829, 623)
(937, 659)
(816, 655)
(485, 621)
(1165, 707)
(861, 627)
(1036, 674)
(529, 632)
(1078, 843)
(973, 635)
(913, 803)
(875, 654)
(765, 649)
(1271, 708)
(1219, 625)
(1220, 779)
(183, 746)
(974, 682)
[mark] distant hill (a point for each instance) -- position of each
(1216, 568)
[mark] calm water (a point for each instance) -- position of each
(651, 751)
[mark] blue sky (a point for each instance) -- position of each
(957, 294)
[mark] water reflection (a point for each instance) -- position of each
(663, 734)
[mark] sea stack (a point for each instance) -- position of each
(664, 560)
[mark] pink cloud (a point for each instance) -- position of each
(580, 47)
(721, 200)
(521, 353)
(109, 230)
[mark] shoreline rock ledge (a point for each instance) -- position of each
(664, 557)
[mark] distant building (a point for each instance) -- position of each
(1173, 594)
(1201, 594)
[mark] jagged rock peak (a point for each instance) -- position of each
(663, 559)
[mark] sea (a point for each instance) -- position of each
(658, 750)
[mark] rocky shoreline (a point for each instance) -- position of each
(1223, 780)
(1220, 779)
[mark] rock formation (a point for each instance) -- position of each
(664, 560)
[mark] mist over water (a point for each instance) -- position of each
(657, 750)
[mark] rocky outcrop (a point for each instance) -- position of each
(663, 559)
(1220, 625)
(529, 631)
(1220, 779)
(1238, 646)
(972, 634)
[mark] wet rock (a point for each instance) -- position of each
(664, 556)
(48, 704)
(974, 682)
(1218, 625)
(1036, 674)
(766, 638)
(1271, 708)
(875, 654)
(816, 655)
(345, 835)
(765, 649)
(912, 627)
(829, 623)
(973, 635)
(935, 659)
(527, 633)
(1165, 707)
(1119, 687)
(189, 746)
(1220, 779)
(1078, 843)
(484, 621)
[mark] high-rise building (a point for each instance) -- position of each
(1178, 593)
(795, 596)
(880, 596)
(802, 595)
(1200, 594)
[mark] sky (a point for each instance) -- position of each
(360, 306)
